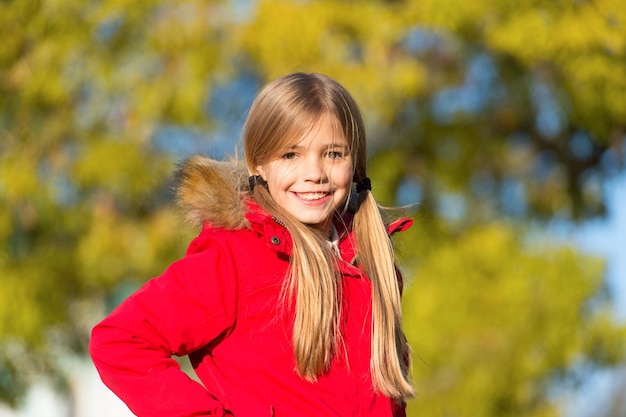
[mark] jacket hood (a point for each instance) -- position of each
(212, 192)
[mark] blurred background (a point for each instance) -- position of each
(499, 124)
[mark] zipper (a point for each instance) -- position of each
(279, 222)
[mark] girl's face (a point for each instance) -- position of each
(311, 178)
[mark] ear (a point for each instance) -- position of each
(260, 171)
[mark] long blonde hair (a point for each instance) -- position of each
(282, 111)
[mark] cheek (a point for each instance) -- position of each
(279, 178)
(273, 184)
(342, 176)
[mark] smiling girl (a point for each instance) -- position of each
(288, 301)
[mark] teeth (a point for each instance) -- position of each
(311, 196)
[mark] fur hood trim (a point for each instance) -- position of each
(212, 192)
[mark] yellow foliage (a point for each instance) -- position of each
(19, 173)
(5, 230)
(584, 44)
(18, 293)
(490, 319)
(119, 166)
(450, 14)
(350, 42)
(113, 248)
(25, 289)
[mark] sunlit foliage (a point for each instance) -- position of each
(495, 326)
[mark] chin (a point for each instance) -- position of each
(313, 222)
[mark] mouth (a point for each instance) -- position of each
(312, 196)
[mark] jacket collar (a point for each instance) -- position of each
(276, 236)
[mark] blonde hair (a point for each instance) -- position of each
(282, 111)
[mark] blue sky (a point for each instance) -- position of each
(607, 237)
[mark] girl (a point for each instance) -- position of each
(288, 301)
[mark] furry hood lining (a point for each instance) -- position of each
(212, 192)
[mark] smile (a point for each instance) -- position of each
(311, 196)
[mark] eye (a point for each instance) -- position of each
(337, 151)
(335, 154)
(288, 155)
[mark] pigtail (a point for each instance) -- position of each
(390, 360)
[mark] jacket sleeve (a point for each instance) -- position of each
(191, 304)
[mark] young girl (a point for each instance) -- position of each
(288, 301)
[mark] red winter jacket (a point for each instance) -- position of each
(220, 305)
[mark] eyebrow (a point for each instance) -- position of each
(329, 146)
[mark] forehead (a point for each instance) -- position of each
(324, 131)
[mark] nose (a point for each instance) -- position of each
(313, 169)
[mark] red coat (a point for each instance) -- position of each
(220, 305)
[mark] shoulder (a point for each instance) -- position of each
(399, 225)
(222, 240)
(344, 223)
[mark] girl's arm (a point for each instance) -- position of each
(193, 302)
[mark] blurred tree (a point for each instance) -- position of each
(478, 110)
(86, 90)
(499, 328)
